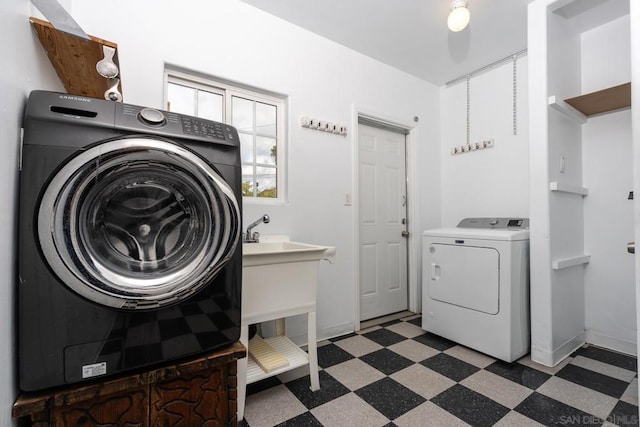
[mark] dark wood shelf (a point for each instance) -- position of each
(75, 59)
(602, 101)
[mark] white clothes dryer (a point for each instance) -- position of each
(475, 281)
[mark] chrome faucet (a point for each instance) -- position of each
(249, 237)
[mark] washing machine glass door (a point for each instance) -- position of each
(138, 223)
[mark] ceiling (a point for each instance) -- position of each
(412, 35)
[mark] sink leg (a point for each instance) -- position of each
(312, 348)
(281, 328)
(242, 372)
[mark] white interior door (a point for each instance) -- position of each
(383, 216)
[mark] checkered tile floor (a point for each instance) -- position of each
(395, 374)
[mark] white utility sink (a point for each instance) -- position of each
(266, 253)
(279, 280)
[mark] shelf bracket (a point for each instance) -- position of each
(561, 264)
(566, 188)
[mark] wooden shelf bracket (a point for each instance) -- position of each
(75, 60)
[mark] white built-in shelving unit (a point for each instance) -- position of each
(558, 113)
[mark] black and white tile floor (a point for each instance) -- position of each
(395, 374)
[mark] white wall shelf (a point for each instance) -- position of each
(566, 109)
(603, 101)
(599, 102)
(566, 188)
(561, 264)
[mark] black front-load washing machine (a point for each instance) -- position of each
(129, 228)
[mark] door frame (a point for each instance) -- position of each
(413, 203)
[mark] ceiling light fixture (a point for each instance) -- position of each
(459, 15)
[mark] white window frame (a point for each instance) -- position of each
(228, 91)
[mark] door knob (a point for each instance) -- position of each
(405, 233)
(631, 247)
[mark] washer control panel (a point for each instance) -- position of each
(196, 126)
(169, 124)
(512, 223)
(152, 117)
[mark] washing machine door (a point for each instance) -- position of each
(138, 223)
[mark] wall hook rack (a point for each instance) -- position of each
(472, 146)
(322, 125)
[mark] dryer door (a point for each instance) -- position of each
(466, 276)
(138, 223)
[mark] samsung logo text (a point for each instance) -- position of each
(74, 98)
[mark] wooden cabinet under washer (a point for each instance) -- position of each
(201, 391)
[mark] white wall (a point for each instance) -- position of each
(234, 41)
(25, 67)
(610, 312)
(495, 181)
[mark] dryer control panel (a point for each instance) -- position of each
(512, 223)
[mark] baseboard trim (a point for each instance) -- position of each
(553, 358)
(612, 343)
(335, 331)
(324, 334)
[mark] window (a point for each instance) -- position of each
(258, 117)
